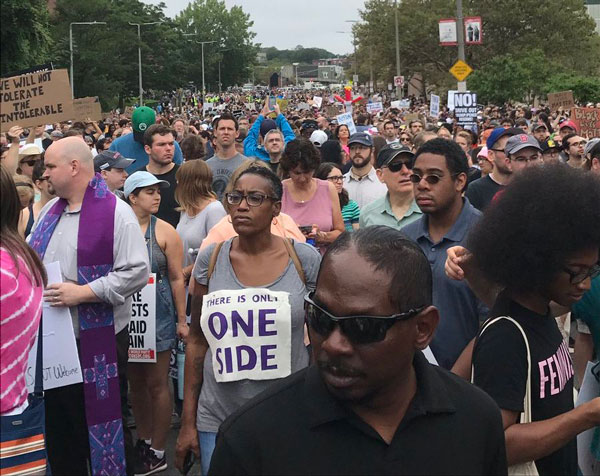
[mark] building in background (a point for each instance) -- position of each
(593, 8)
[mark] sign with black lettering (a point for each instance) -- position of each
(34, 99)
(249, 333)
(465, 109)
(87, 109)
(142, 327)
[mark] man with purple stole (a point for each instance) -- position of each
(103, 260)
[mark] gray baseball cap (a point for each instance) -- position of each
(520, 142)
(361, 138)
(142, 179)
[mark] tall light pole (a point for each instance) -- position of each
(460, 30)
(398, 88)
(140, 55)
(354, 43)
(71, 45)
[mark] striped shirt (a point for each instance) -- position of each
(20, 312)
(350, 214)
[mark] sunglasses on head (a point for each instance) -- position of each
(358, 329)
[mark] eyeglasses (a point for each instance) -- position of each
(252, 199)
(336, 178)
(580, 276)
(523, 160)
(31, 163)
(430, 179)
(397, 166)
(358, 329)
(579, 144)
(404, 139)
(498, 150)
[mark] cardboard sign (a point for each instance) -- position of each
(87, 109)
(434, 105)
(331, 111)
(374, 107)
(35, 98)
(142, 327)
(346, 118)
(563, 99)
(317, 101)
(587, 120)
(249, 332)
(60, 360)
(465, 108)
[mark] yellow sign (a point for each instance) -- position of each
(460, 70)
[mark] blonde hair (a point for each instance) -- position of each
(466, 136)
(194, 184)
(24, 188)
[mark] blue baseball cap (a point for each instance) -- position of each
(361, 138)
(499, 132)
(142, 179)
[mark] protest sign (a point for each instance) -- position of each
(588, 442)
(374, 107)
(87, 109)
(303, 106)
(587, 120)
(283, 104)
(317, 101)
(563, 99)
(434, 105)
(142, 327)
(35, 98)
(465, 108)
(34, 69)
(250, 106)
(60, 360)
(331, 111)
(346, 118)
(249, 332)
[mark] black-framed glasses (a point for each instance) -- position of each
(336, 178)
(430, 179)
(358, 329)
(498, 150)
(579, 144)
(252, 199)
(397, 166)
(523, 160)
(577, 277)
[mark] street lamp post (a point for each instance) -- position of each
(398, 88)
(354, 44)
(71, 46)
(140, 55)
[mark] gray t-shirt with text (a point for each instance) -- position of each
(222, 169)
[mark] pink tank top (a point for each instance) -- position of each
(316, 211)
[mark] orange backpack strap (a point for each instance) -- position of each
(292, 252)
(213, 261)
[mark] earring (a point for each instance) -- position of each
(274, 221)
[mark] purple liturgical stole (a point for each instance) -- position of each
(98, 350)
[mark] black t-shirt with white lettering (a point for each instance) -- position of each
(500, 368)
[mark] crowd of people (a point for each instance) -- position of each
(374, 286)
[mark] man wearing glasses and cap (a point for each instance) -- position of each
(370, 403)
(398, 207)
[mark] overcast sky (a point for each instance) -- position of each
(288, 23)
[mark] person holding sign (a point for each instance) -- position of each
(247, 328)
(150, 397)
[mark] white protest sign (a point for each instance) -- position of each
(346, 118)
(249, 332)
(142, 327)
(60, 360)
(250, 106)
(395, 104)
(317, 101)
(374, 107)
(434, 105)
(451, 94)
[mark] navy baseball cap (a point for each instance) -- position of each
(499, 132)
(360, 138)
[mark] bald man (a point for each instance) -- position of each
(96, 240)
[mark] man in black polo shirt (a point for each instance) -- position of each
(159, 144)
(371, 403)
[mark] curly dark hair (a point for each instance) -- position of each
(268, 175)
(299, 152)
(525, 237)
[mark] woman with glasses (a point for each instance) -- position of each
(312, 203)
(247, 328)
(350, 212)
(538, 245)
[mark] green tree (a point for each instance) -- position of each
(209, 20)
(24, 34)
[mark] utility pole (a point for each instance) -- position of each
(460, 33)
(398, 88)
(140, 56)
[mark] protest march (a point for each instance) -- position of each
(310, 263)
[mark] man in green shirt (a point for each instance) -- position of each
(398, 207)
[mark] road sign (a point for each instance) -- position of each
(399, 81)
(460, 70)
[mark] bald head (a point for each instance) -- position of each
(72, 148)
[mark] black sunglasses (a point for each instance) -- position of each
(358, 329)
(397, 166)
(31, 163)
(430, 179)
